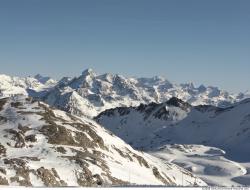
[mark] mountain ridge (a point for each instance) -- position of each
(93, 93)
(182, 123)
(101, 92)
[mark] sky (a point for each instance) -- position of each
(203, 41)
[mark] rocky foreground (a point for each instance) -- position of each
(41, 146)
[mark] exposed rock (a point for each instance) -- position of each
(16, 104)
(3, 119)
(2, 170)
(49, 178)
(159, 176)
(3, 181)
(24, 129)
(61, 150)
(3, 102)
(141, 160)
(22, 171)
(2, 150)
(31, 138)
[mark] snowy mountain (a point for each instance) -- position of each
(212, 142)
(45, 80)
(209, 163)
(175, 121)
(11, 86)
(41, 146)
(90, 94)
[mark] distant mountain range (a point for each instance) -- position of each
(11, 86)
(89, 94)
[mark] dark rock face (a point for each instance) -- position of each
(176, 102)
(50, 177)
(16, 104)
(3, 181)
(159, 176)
(22, 171)
(2, 150)
(157, 110)
(206, 108)
(31, 138)
(18, 137)
(111, 112)
(2, 102)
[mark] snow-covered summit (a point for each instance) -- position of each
(11, 86)
(88, 71)
(45, 80)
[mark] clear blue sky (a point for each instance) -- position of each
(204, 41)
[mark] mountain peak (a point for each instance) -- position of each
(189, 85)
(202, 88)
(158, 78)
(174, 100)
(178, 103)
(88, 71)
(41, 78)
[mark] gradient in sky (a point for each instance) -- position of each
(204, 41)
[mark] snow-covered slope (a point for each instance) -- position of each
(211, 142)
(209, 163)
(175, 121)
(90, 94)
(11, 86)
(41, 146)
